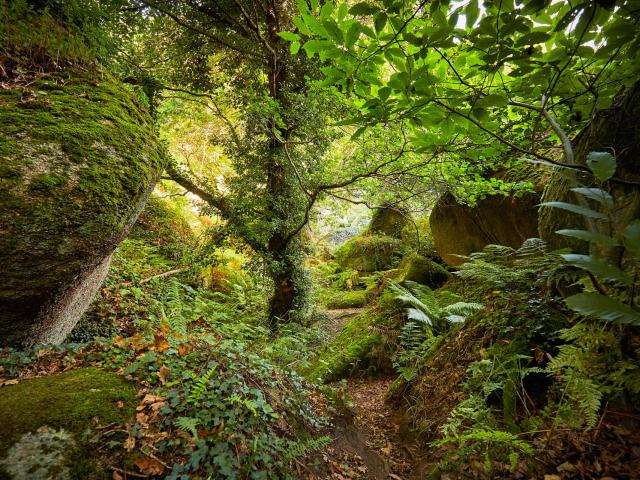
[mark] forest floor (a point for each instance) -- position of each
(366, 436)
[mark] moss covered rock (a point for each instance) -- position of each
(388, 220)
(41, 413)
(503, 220)
(417, 268)
(346, 299)
(369, 253)
(78, 159)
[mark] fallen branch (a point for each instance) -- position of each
(126, 473)
(159, 275)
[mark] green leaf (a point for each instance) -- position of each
(418, 316)
(602, 164)
(588, 236)
(533, 38)
(352, 35)
(326, 10)
(570, 207)
(313, 46)
(380, 21)
(289, 36)
(632, 238)
(294, 48)
(599, 268)
(472, 12)
(302, 26)
(358, 133)
(363, 8)
(492, 100)
(603, 307)
(596, 194)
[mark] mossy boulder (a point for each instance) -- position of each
(615, 129)
(388, 220)
(59, 408)
(78, 159)
(419, 269)
(346, 299)
(369, 253)
(460, 229)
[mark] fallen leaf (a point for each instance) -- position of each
(183, 349)
(130, 444)
(149, 399)
(8, 382)
(142, 419)
(163, 373)
(157, 406)
(160, 342)
(116, 476)
(149, 466)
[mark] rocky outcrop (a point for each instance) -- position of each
(78, 159)
(503, 220)
(416, 268)
(369, 253)
(380, 246)
(388, 220)
(615, 130)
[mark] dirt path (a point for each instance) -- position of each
(366, 440)
(366, 437)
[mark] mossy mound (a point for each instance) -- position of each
(78, 159)
(166, 224)
(69, 400)
(349, 351)
(73, 402)
(419, 269)
(369, 253)
(347, 299)
(389, 221)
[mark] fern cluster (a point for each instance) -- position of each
(423, 319)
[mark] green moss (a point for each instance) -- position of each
(369, 253)
(69, 400)
(347, 299)
(74, 172)
(348, 352)
(417, 268)
(47, 184)
(388, 221)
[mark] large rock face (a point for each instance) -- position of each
(78, 159)
(460, 230)
(615, 130)
(388, 220)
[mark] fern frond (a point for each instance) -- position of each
(200, 386)
(532, 247)
(187, 424)
(462, 309)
